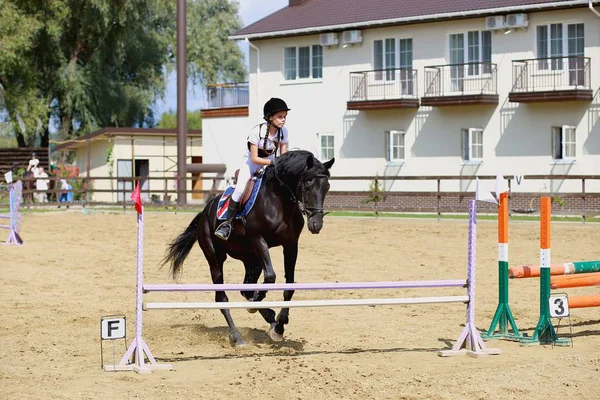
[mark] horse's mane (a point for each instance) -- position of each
(294, 164)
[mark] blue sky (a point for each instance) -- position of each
(250, 11)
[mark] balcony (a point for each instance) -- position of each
(226, 100)
(460, 84)
(383, 89)
(551, 79)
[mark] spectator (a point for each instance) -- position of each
(64, 190)
(33, 165)
(42, 184)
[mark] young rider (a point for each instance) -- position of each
(263, 144)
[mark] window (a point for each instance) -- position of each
(384, 57)
(472, 144)
(327, 146)
(563, 142)
(303, 62)
(395, 146)
(475, 50)
(406, 64)
(550, 44)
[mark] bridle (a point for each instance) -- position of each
(309, 211)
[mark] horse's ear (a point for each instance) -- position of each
(310, 161)
(329, 163)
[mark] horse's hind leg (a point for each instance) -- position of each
(261, 249)
(252, 273)
(216, 258)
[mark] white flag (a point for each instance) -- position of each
(483, 194)
(8, 177)
(501, 185)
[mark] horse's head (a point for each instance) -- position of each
(312, 191)
(306, 180)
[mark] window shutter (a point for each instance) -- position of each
(556, 143)
(464, 144)
(387, 146)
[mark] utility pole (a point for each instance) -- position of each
(181, 101)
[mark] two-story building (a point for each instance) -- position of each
(424, 88)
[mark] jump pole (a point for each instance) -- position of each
(572, 281)
(138, 350)
(569, 268)
(503, 316)
(544, 332)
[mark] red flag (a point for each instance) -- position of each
(137, 198)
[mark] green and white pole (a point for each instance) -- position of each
(503, 316)
(544, 332)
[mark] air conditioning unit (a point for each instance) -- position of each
(494, 22)
(351, 37)
(329, 39)
(517, 20)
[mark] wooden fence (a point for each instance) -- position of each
(578, 203)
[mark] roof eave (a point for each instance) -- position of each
(418, 18)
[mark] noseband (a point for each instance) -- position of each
(309, 211)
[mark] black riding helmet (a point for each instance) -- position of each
(273, 106)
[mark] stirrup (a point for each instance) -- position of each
(219, 234)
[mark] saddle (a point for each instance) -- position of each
(249, 185)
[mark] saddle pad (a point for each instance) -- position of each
(223, 205)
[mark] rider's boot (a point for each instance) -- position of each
(224, 230)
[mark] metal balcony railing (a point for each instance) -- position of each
(225, 95)
(548, 74)
(383, 84)
(461, 79)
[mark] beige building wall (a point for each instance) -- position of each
(160, 152)
(517, 136)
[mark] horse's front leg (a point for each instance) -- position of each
(290, 255)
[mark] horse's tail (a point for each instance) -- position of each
(179, 248)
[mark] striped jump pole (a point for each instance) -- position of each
(533, 271)
(544, 332)
(503, 316)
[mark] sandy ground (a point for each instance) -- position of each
(76, 268)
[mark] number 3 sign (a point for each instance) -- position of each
(559, 306)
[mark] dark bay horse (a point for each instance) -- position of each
(295, 184)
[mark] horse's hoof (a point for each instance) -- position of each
(276, 337)
(237, 341)
(251, 310)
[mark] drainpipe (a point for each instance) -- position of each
(590, 5)
(258, 117)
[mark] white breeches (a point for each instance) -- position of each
(246, 170)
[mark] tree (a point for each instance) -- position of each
(83, 64)
(169, 120)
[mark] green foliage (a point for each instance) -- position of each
(212, 56)
(374, 193)
(84, 64)
(169, 120)
(558, 201)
